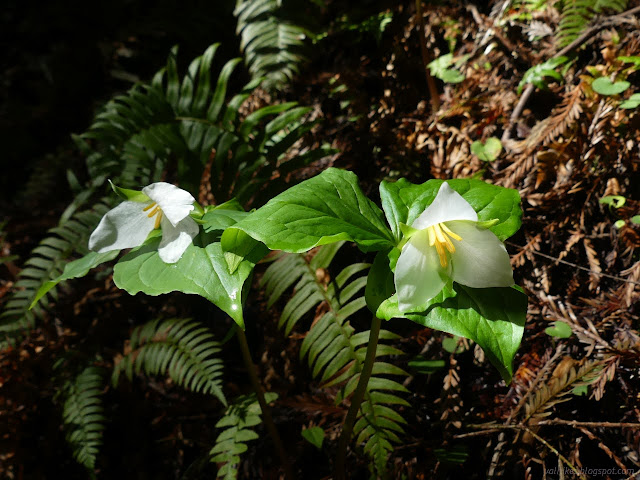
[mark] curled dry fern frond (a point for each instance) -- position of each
(238, 421)
(273, 46)
(183, 349)
(83, 415)
(334, 351)
(46, 262)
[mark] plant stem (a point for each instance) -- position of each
(266, 411)
(431, 83)
(357, 398)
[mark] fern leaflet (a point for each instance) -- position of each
(577, 14)
(83, 415)
(274, 47)
(238, 420)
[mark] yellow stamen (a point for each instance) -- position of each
(151, 205)
(158, 218)
(439, 237)
(154, 211)
(441, 254)
(450, 233)
(432, 236)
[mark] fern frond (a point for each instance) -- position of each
(46, 262)
(183, 349)
(238, 422)
(334, 351)
(577, 14)
(568, 373)
(83, 415)
(186, 119)
(273, 46)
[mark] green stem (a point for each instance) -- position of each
(266, 411)
(356, 400)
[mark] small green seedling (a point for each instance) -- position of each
(488, 151)
(604, 86)
(615, 201)
(632, 102)
(559, 330)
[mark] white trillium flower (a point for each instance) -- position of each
(449, 244)
(129, 224)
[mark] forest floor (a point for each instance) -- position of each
(574, 401)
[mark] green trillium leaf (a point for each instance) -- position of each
(492, 317)
(200, 271)
(604, 86)
(403, 202)
(327, 208)
(76, 269)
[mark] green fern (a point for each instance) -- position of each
(334, 352)
(273, 46)
(183, 349)
(238, 421)
(83, 415)
(47, 261)
(577, 14)
(187, 119)
(135, 136)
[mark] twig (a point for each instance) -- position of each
(575, 423)
(431, 83)
(613, 277)
(582, 39)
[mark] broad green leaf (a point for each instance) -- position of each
(492, 317)
(604, 86)
(559, 330)
(200, 271)
(314, 435)
(76, 269)
(488, 151)
(403, 202)
(220, 219)
(380, 284)
(324, 209)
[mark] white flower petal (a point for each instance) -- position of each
(419, 276)
(175, 240)
(480, 259)
(125, 226)
(174, 202)
(448, 205)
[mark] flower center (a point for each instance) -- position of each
(155, 210)
(439, 237)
